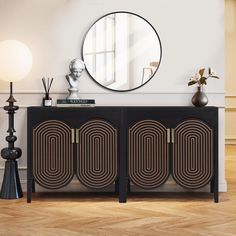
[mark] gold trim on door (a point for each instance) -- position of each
(97, 154)
(72, 135)
(168, 135)
(52, 151)
(148, 154)
(193, 154)
(77, 136)
(173, 135)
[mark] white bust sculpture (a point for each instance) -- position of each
(76, 68)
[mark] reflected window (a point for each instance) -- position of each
(99, 53)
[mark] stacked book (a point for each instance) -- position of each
(75, 103)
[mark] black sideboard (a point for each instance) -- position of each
(107, 145)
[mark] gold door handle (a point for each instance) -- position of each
(77, 136)
(72, 135)
(172, 135)
(168, 135)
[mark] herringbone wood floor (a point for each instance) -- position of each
(159, 215)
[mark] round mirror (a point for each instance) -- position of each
(122, 51)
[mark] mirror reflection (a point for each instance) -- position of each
(121, 51)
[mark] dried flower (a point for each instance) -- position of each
(200, 77)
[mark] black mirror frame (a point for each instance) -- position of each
(128, 90)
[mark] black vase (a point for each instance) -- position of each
(199, 99)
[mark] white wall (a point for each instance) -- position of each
(144, 48)
(191, 32)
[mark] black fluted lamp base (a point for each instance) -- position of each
(11, 187)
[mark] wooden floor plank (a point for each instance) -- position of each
(167, 214)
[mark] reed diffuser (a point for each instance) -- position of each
(47, 100)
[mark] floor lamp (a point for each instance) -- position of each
(15, 64)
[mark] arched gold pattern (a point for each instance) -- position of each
(193, 154)
(97, 154)
(52, 154)
(148, 154)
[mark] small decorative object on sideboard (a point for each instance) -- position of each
(76, 67)
(200, 99)
(47, 100)
(75, 103)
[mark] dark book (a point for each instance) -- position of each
(75, 101)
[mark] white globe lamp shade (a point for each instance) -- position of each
(15, 60)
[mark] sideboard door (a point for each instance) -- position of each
(148, 154)
(97, 153)
(52, 154)
(192, 154)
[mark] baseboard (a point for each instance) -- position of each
(230, 140)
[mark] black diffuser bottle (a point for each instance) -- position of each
(47, 100)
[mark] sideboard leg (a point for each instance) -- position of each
(123, 190)
(117, 186)
(29, 190)
(128, 186)
(216, 189)
(29, 181)
(216, 174)
(33, 186)
(216, 197)
(212, 186)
